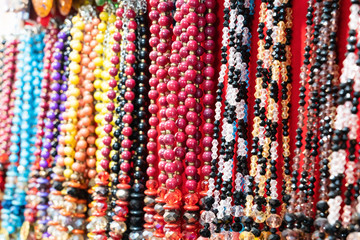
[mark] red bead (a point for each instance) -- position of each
(126, 143)
(125, 167)
(172, 99)
(151, 146)
(206, 156)
(151, 171)
(130, 83)
(126, 155)
(127, 131)
(154, 3)
(162, 178)
(154, 41)
(129, 96)
(130, 13)
(130, 58)
(127, 119)
(152, 133)
(163, 7)
(191, 185)
(129, 71)
(153, 121)
(116, 47)
(180, 137)
(170, 125)
(132, 24)
(171, 183)
(190, 130)
(164, 21)
(165, 33)
(131, 36)
(162, 47)
(108, 128)
(130, 47)
(151, 159)
(155, 28)
(117, 36)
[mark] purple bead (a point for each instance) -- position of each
(56, 76)
(55, 97)
(62, 35)
(50, 124)
(57, 55)
(60, 118)
(63, 97)
(43, 163)
(64, 87)
(49, 135)
(42, 180)
(42, 207)
(47, 145)
(43, 194)
(59, 45)
(64, 78)
(45, 154)
(56, 66)
(55, 87)
(46, 235)
(56, 158)
(51, 115)
(53, 106)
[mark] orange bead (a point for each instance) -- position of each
(85, 61)
(91, 163)
(86, 121)
(91, 139)
(82, 144)
(92, 173)
(80, 156)
(90, 76)
(84, 132)
(91, 151)
(88, 27)
(92, 55)
(95, 21)
(60, 161)
(94, 32)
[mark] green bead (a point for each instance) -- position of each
(100, 2)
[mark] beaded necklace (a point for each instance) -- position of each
(56, 197)
(140, 125)
(208, 126)
(23, 131)
(152, 157)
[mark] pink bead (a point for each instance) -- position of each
(190, 75)
(130, 58)
(161, 87)
(208, 58)
(180, 136)
(104, 164)
(108, 128)
(132, 24)
(129, 71)
(190, 88)
(190, 156)
(184, 37)
(152, 133)
(210, 3)
(113, 71)
(163, 7)
(154, 41)
(184, 52)
(172, 99)
(105, 151)
(210, 31)
(151, 171)
(154, 3)
(161, 61)
(153, 108)
(190, 171)
(155, 28)
(129, 96)
(151, 159)
(191, 143)
(162, 178)
(182, 110)
(127, 131)
(190, 130)
(153, 94)
(173, 85)
(125, 167)
(192, 17)
(117, 36)
(183, 66)
(130, 13)
(130, 83)
(130, 47)
(210, 18)
(201, 8)
(118, 24)
(170, 125)
(171, 112)
(191, 60)
(185, 9)
(170, 167)
(153, 121)
(126, 155)
(151, 146)
(162, 47)
(165, 33)
(190, 102)
(206, 156)
(191, 185)
(112, 83)
(209, 113)
(106, 140)
(127, 119)
(161, 73)
(108, 117)
(116, 47)
(131, 36)
(171, 183)
(179, 180)
(164, 21)
(161, 164)
(126, 143)
(208, 85)
(192, 30)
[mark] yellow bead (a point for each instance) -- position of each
(102, 26)
(70, 127)
(106, 76)
(100, 38)
(73, 31)
(78, 36)
(75, 92)
(246, 236)
(98, 62)
(68, 173)
(98, 107)
(75, 19)
(69, 152)
(71, 114)
(98, 118)
(112, 18)
(99, 169)
(97, 83)
(74, 79)
(74, 67)
(97, 95)
(75, 56)
(112, 30)
(99, 49)
(69, 139)
(97, 73)
(104, 16)
(107, 64)
(76, 45)
(80, 25)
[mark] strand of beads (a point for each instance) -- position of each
(208, 127)
(97, 223)
(137, 195)
(116, 226)
(152, 157)
(72, 185)
(258, 131)
(23, 138)
(162, 43)
(242, 58)
(215, 144)
(56, 197)
(8, 96)
(40, 182)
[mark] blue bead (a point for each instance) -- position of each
(14, 148)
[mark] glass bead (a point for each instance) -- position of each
(246, 236)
